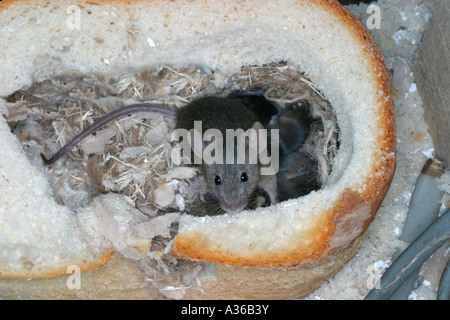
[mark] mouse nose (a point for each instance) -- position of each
(233, 207)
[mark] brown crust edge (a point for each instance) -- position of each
(106, 257)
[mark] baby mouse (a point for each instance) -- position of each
(298, 172)
(298, 176)
(294, 125)
(255, 100)
(293, 121)
(230, 183)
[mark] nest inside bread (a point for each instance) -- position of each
(133, 156)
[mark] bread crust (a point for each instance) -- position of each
(50, 272)
(271, 283)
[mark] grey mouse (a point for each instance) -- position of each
(230, 183)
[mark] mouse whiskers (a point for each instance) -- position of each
(209, 207)
(257, 199)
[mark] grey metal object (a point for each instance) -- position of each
(444, 285)
(423, 210)
(397, 282)
(412, 258)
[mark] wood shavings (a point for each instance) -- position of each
(175, 286)
(181, 173)
(158, 133)
(158, 226)
(109, 227)
(133, 152)
(281, 83)
(3, 108)
(165, 193)
(97, 143)
(110, 230)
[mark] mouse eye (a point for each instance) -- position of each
(244, 177)
(217, 180)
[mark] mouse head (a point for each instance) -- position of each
(232, 179)
(232, 184)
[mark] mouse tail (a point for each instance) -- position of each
(119, 113)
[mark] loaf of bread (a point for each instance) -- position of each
(282, 251)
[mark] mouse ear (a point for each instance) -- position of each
(196, 143)
(261, 136)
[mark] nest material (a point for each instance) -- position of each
(133, 155)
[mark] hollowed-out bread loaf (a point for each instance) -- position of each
(282, 251)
